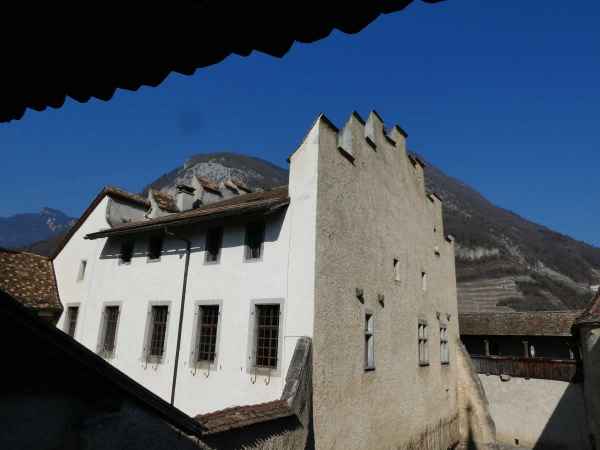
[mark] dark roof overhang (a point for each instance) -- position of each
(85, 53)
(244, 205)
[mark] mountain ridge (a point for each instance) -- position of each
(504, 262)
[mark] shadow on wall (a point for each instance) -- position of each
(172, 246)
(566, 428)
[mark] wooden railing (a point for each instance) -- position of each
(542, 368)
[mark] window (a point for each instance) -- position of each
(71, 323)
(444, 349)
(369, 342)
(255, 235)
(158, 332)
(267, 336)
(109, 331)
(214, 238)
(208, 321)
(155, 244)
(423, 281)
(82, 267)
(396, 269)
(423, 333)
(126, 252)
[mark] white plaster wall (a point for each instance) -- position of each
(539, 413)
(67, 262)
(232, 282)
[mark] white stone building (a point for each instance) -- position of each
(202, 297)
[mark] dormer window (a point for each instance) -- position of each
(126, 252)
(155, 245)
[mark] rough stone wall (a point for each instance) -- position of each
(590, 348)
(477, 429)
(371, 210)
(535, 413)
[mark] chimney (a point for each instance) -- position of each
(184, 198)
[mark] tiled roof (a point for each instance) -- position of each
(209, 185)
(242, 416)
(591, 315)
(165, 201)
(241, 185)
(230, 184)
(539, 323)
(111, 191)
(255, 202)
(29, 278)
(119, 193)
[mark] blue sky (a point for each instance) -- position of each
(503, 95)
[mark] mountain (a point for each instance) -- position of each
(504, 262)
(21, 230)
(255, 172)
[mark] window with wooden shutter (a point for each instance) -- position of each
(267, 336)
(158, 331)
(109, 331)
(208, 321)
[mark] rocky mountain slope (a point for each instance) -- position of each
(255, 172)
(22, 230)
(504, 262)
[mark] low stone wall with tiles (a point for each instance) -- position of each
(284, 424)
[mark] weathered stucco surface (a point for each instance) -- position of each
(590, 347)
(477, 429)
(371, 211)
(537, 413)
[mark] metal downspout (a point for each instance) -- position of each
(188, 244)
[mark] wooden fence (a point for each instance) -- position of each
(542, 368)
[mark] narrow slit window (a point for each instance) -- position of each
(214, 239)
(111, 319)
(267, 336)
(369, 342)
(126, 252)
(82, 267)
(423, 344)
(72, 314)
(423, 281)
(396, 269)
(255, 235)
(208, 322)
(155, 245)
(158, 331)
(444, 349)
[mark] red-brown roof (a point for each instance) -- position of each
(111, 191)
(256, 202)
(165, 201)
(242, 416)
(538, 323)
(29, 278)
(209, 185)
